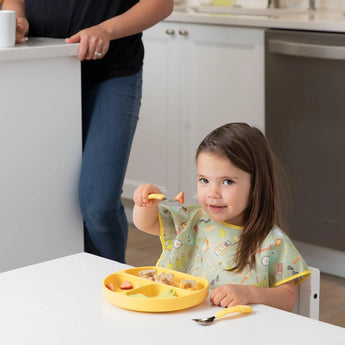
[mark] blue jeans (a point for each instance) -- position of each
(110, 115)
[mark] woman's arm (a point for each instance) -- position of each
(145, 211)
(22, 23)
(281, 297)
(14, 5)
(141, 16)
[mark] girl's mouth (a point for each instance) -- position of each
(216, 208)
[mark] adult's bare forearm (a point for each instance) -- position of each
(141, 16)
(15, 5)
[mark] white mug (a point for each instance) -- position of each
(7, 28)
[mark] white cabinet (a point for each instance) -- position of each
(196, 78)
(40, 151)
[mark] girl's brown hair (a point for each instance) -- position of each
(247, 148)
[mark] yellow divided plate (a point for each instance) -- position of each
(152, 296)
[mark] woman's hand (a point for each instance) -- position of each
(140, 196)
(22, 29)
(22, 26)
(94, 43)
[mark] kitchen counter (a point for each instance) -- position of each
(295, 20)
(40, 151)
(37, 47)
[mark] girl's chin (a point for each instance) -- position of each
(222, 218)
(216, 217)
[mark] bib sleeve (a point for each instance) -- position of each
(285, 262)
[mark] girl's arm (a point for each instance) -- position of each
(141, 16)
(22, 23)
(281, 297)
(145, 212)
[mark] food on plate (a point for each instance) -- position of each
(164, 278)
(167, 294)
(189, 284)
(168, 279)
(110, 286)
(180, 197)
(147, 274)
(126, 285)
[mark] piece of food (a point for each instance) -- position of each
(167, 294)
(189, 284)
(164, 278)
(126, 285)
(180, 197)
(110, 286)
(147, 274)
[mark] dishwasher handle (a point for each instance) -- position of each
(306, 50)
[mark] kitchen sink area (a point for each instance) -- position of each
(308, 18)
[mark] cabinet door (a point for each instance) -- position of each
(40, 150)
(222, 80)
(155, 151)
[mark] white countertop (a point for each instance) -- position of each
(317, 21)
(61, 302)
(37, 47)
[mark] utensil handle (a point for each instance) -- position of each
(156, 196)
(245, 309)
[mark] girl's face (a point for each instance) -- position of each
(223, 189)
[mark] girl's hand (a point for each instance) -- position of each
(145, 212)
(282, 296)
(22, 28)
(94, 43)
(230, 294)
(140, 196)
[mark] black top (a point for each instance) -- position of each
(63, 18)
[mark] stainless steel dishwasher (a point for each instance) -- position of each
(305, 124)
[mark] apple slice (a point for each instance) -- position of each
(180, 197)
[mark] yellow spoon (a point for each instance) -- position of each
(243, 309)
(179, 197)
(156, 196)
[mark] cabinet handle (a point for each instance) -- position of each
(170, 32)
(183, 32)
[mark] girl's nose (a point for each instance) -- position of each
(213, 191)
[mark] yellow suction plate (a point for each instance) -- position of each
(147, 295)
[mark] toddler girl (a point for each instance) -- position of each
(233, 239)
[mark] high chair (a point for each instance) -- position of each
(308, 295)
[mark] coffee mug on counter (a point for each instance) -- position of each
(7, 28)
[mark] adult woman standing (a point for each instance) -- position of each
(111, 51)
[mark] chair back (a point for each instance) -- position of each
(308, 295)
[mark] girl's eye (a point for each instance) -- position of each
(228, 182)
(203, 180)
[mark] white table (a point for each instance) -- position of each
(40, 152)
(61, 302)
